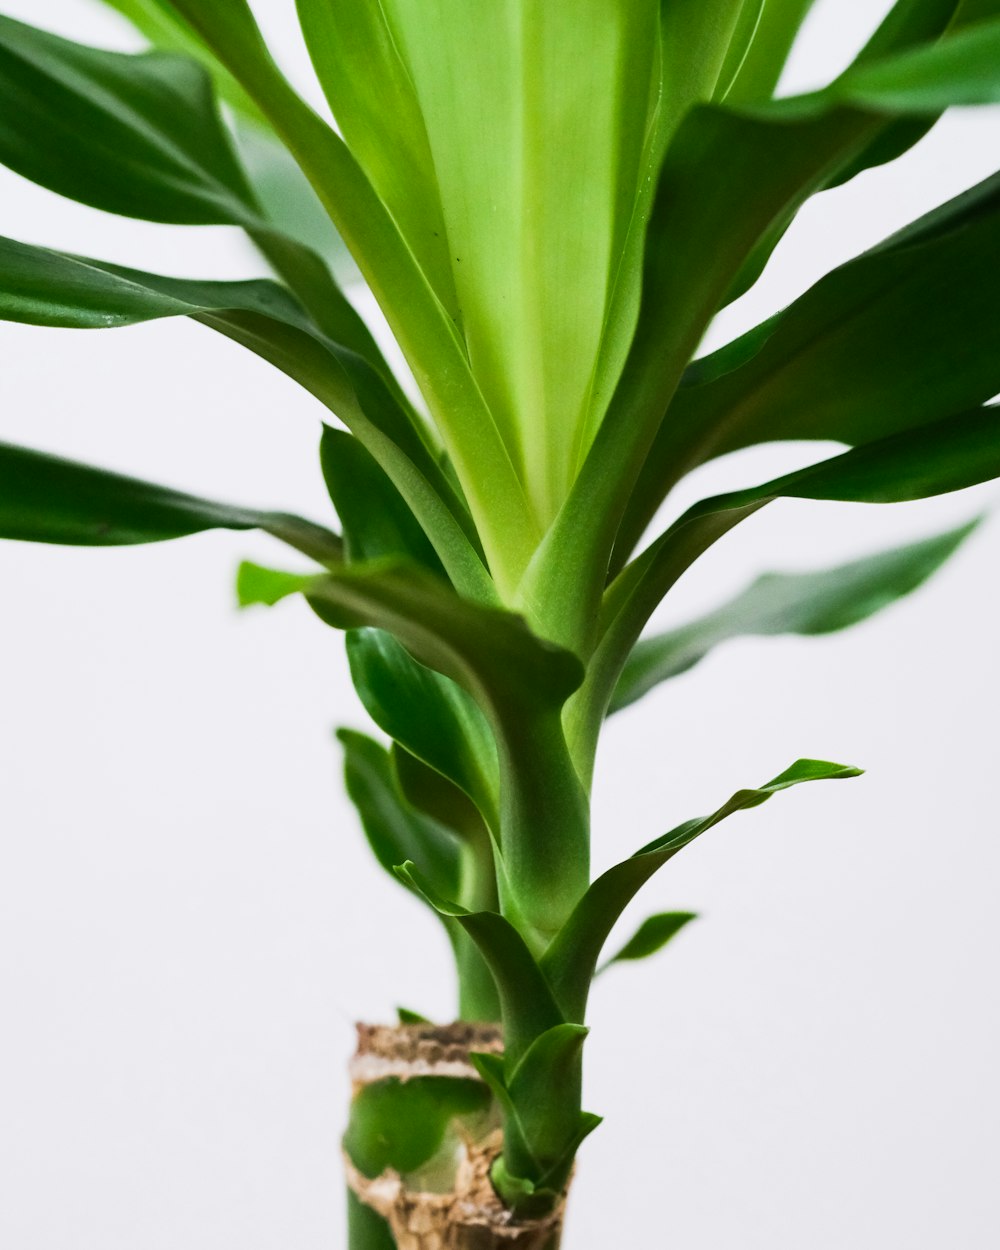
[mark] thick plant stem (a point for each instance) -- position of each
(423, 1134)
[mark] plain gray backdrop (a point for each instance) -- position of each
(190, 922)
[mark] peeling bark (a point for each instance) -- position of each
(463, 1211)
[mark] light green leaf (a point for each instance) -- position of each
(651, 936)
(770, 158)
(373, 99)
(422, 326)
(44, 499)
(570, 961)
(780, 22)
(789, 603)
(536, 217)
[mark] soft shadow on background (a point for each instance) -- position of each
(189, 921)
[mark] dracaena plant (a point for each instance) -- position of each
(550, 201)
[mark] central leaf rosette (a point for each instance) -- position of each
(512, 161)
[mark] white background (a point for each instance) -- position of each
(189, 920)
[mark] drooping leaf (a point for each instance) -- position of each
(651, 936)
(394, 830)
(42, 287)
(789, 603)
(137, 135)
(46, 499)
(570, 961)
(141, 135)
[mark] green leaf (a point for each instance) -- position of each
(433, 794)
(963, 69)
(402, 1125)
(564, 94)
(757, 79)
(570, 961)
(395, 832)
(528, 1006)
(406, 1016)
(789, 603)
(45, 499)
(428, 714)
(372, 97)
(892, 340)
(142, 136)
(520, 683)
(651, 936)
(42, 287)
(945, 456)
(426, 333)
(770, 158)
(137, 135)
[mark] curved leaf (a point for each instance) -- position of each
(570, 961)
(528, 1006)
(945, 456)
(42, 287)
(789, 603)
(394, 830)
(428, 714)
(898, 337)
(137, 135)
(45, 499)
(651, 936)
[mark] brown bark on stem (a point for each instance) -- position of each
(468, 1215)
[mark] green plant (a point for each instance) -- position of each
(550, 203)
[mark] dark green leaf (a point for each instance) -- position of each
(406, 1016)
(789, 603)
(137, 135)
(890, 341)
(434, 795)
(945, 456)
(49, 500)
(570, 961)
(430, 715)
(651, 936)
(394, 830)
(41, 287)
